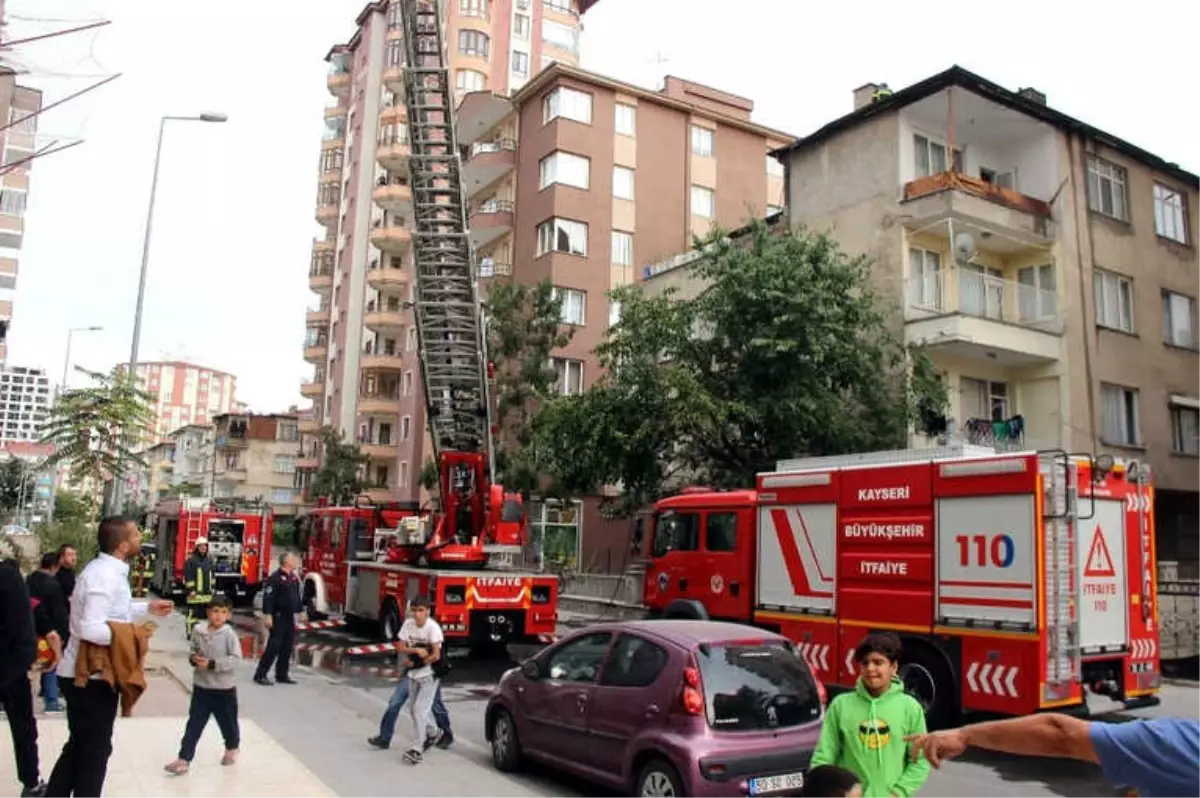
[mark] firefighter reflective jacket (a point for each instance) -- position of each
(198, 579)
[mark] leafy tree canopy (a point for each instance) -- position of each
(786, 352)
(16, 478)
(340, 478)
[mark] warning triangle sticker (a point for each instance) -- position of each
(1099, 561)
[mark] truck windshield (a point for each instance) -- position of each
(675, 532)
(511, 511)
(757, 687)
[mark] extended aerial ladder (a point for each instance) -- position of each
(450, 332)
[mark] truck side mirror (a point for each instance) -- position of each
(639, 533)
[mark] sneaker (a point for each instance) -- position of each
(36, 790)
(413, 757)
(177, 768)
(433, 740)
(445, 740)
(263, 680)
(285, 680)
(55, 707)
(229, 757)
(379, 742)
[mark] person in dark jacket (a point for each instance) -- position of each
(198, 582)
(281, 602)
(18, 650)
(52, 613)
(68, 556)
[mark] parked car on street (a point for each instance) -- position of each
(663, 707)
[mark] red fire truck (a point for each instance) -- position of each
(357, 560)
(239, 542)
(1014, 580)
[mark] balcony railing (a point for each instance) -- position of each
(1004, 435)
(984, 296)
(392, 180)
(499, 145)
(393, 305)
(490, 268)
(320, 271)
(943, 181)
(561, 7)
(494, 206)
(380, 396)
(376, 348)
(376, 440)
(320, 340)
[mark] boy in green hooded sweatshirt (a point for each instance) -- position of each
(864, 730)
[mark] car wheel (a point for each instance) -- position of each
(389, 622)
(658, 778)
(506, 748)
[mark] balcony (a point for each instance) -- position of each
(328, 204)
(339, 74)
(490, 221)
(320, 280)
(393, 78)
(392, 237)
(379, 358)
(392, 152)
(393, 194)
(381, 495)
(966, 314)
(385, 277)
(318, 315)
(384, 318)
(489, 161)
(317, 351)
(309, 425)
(382, 448)
(321, 246)
(313, 389)
(478, 115)
(306, 463)
(335, 111)
(490, 268)
(1020, 219)
(379, 403)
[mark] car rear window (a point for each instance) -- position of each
(756, 687)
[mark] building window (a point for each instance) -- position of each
(625, 119)
(395, 53)
(573, 304)
(331, 160)
(614, 313)
(521, 27)
(774, 166)
(929, 157)
(520, 63)
(473, 8)
(12, 201)
(285, 464)
(1037, 292)
(925, 286)
(1106, 188)
(1179, 314)
(283, 496)
(1170, 214)
(702, 201)
(562, 235)
(568, 103)
(22, 121)
(570, 376)
(473, 43)
(470, 80)
(395, 20)
(406, 384)
(402, 482)
(1185, 430)
(1114, 300)
(405, 427)
(1119, 415)
(622, 248)
(564, 37)
(288, 431)
(702, 141)
(622, 182)
(565, 168)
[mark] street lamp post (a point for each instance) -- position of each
(118, 481)
(67, 357)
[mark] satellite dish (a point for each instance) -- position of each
(964, 247)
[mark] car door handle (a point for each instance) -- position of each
(683, 584)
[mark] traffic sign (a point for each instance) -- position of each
(1099, 561)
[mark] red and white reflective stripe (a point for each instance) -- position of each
(816, 655)
(1144, 648)
(317, 648)
(998, 680)
(373, 670)
(308, 626)
(547, 639)
(373, 648)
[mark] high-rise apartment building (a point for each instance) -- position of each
(25, 400)
(185, 393)
(19, 107)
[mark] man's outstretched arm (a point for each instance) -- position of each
(1048, 735)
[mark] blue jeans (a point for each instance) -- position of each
(387, 726)
(50, 687)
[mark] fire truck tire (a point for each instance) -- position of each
(929, 677)
(685, 609)
(309, 602)
(389, 621)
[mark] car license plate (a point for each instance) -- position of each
(764, 785)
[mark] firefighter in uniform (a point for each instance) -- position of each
(281, 603)
(198, 582)
(142, 572)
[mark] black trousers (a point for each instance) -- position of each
(221, 704)
(279, 647)
(83, 763)
(17, 701)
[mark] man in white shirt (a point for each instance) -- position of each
(102, 594)
(422, 638)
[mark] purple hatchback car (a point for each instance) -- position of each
(663, 707)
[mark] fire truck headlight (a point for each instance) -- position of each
(454, 594)
(540, 594)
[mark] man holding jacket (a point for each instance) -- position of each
(198, 582)
(281, 602)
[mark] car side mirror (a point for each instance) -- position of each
(531, 668)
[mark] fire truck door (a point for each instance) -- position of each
(727, 536)
(1104, 586)
(678, 572)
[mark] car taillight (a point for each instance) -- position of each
(693, 694)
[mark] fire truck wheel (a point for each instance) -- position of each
(686, 609)
(310, 602)
(927, 677)
(389, 621)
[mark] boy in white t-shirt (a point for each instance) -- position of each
(421, 637)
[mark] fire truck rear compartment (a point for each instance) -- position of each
(225, 537)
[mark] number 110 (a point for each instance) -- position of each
(997, 552)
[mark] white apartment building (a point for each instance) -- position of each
(25, 400)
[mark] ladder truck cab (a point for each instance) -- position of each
(1017, 582)
(358, 560)
(239, 542)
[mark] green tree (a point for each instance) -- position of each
(785, 352)
(73, 508)
(95, 430)
(16, 477)
(524, 329)
(340, 478)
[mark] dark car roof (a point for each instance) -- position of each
(688, 633)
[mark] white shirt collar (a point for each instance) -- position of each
(113, 562)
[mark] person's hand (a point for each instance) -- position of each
(161, 607)
(937, 746)
(200, 662)
(268, 621)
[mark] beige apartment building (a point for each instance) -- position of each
(255, 457)
(19, 107)
(1048, 267)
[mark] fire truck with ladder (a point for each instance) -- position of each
(1017, 582)
(238, 532)
(371, 561)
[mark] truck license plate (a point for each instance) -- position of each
(764, 785)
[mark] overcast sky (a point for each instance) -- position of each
(234, 221)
